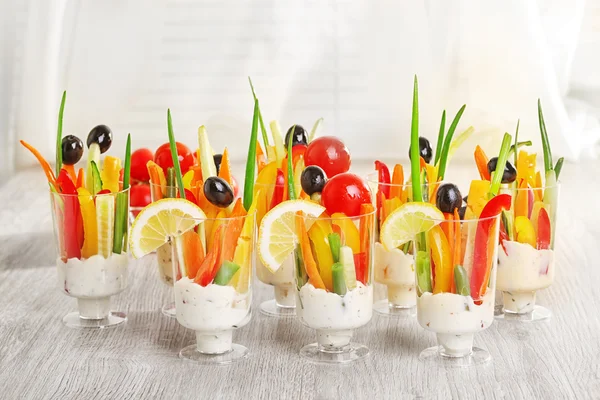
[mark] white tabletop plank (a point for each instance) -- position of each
(40, 358)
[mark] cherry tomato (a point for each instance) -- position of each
(139, 159)
(163, 157)
(139, 195)
(345, 193)
(329, 153)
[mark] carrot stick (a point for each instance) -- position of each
(46, 167)
(397, 181)
(457, 239)
(209, 267)
(233, 231)
(447, 224)
(225, 171)
(482, 161)
(71, 170)
(309, 261)
(80, 178)
(260, 157)
(423, 164)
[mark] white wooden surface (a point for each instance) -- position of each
(40, 358)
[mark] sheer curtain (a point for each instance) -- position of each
(349, 61)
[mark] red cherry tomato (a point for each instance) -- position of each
(345, 193)
(329, 153)
(139, 159)
(163, 157)
(139, 195)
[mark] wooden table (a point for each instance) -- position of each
(40, 358)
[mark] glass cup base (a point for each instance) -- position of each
(237, 353)
(384, 308)
(272, 309)
(539, 313)
(114, 318)
(347, 354)
(169, 310)
(433, 354)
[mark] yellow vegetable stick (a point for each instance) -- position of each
(243, 251)
(525, 231)
(318, 234)
(90, 227)
(111, 169)
(351, 236)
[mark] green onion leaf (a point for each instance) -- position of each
(290, 168)
(315, 129)
(59, 134)
(263, 129)
(558, 167)
(440, 139)
(515, 147)
(251, 161)
(545, 141)
(174, 155)
(415, 154)
(122, 212)
(502, 158)
(448, 141)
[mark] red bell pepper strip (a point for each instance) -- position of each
(384, 178)
(209, 267)
(278, 191)
(72, 216)
(190, 196)
(482, 252)
(544, 230)
(360, 266)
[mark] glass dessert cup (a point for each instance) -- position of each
(456, 303)
(164, 252)
(213, 291)
(393, 268)
(335, 314)
(91, 267)
(526, 263)
(282, 280)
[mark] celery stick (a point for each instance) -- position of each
(423, 268)
(440, 139)
(301, 276)
(507, 221)
(59, 134)
(206, 158)
(339, 284)
(171, 184)
(335, 243)
(314, 130)
(461, 281)
(225, 273)
(277, 139)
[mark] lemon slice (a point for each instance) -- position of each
(402, 225)
(277, 234)
(105, 221)
(161, 220)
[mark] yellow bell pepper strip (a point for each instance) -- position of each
(59, 155)
(461, 281)
(442, 259)
(251, 161)
(485, 244)
(309, 262)
(243, 251)
(478, 196)
(111, 169)
(525, 231)
(71, 213)
(226, 273)
(539, 194)
(90, 229)
(261, 161)
(543, 230)
(522, 200)
(350, 234)
(298, 168)
(448, 142)
(440, 139)
(188, 178)
(481, 160)
(45, 165)
(209, 267)
(432, 178)
(339, 283)
(122, 207)
(526, 167)
(319, 237)
(390, 206)
(397, 181)
(193, 252)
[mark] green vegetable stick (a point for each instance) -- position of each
(459, 140)
(290, 168)
(171, 184)
(263, 129)
(225, 273)
(461, 281)
(314, 130)
(558, 167)
(301, 275)
(339, 284)
(448, 142)
(122, 212)
(502, 158)
(335, 243)
(545, 141)
(415, 160)
(516, 145)
(423, 271)
(251, 161)
(277, 139)
(96, 179)
(174, 155)
(59, 134)
(440, 139)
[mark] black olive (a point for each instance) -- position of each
(313, 179)
(448, 198)
(510, 173)
(72, 150)
(424, 149)
(102, 135)
(218, 191)
(461, 212)
(218, 158)
(300, 136)
(466, 199)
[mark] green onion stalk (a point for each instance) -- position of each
(122, 212)
(440, 139)
(448, 142)
(290, 168)
(502, 159)
(263, 129)
(174, 155)
(59, 134)
(251, 161)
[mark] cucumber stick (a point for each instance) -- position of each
(226, 272)
(347, 261)
(95, 181)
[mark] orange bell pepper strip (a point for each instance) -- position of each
(442, 260)
(157, 178)
(261, 161)
(431, 173)
(209, 267)
(397, 181)
(225, 170)
(522, 200)
(366, 234)
(433, 195)
(219, 220)
(448, 225)
(457, 248)
(71, 170)
(193, 252)
(314, 278)
(80, 178)
(45, 165)
(482, 161)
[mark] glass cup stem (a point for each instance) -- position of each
(214, 342)
(94, 308)
(285, 296)
(452, 345)
(333, 341)
(518, 302)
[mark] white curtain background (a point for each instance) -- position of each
(123, 63)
